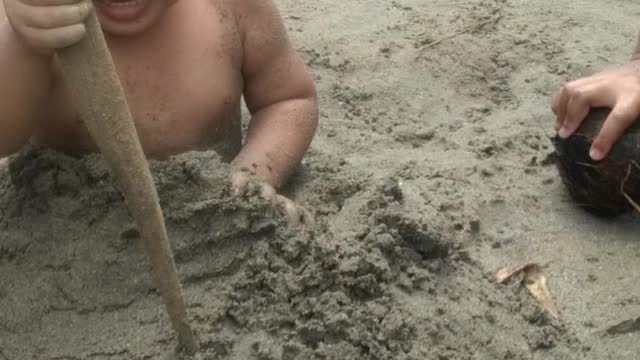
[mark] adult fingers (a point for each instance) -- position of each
(581, 100)
(560, 104)
(563, 96)
(555, 107)
(621, 117)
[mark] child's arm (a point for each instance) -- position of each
(30, 31)
(279, 93)
(617, 89)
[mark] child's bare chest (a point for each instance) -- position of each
(183, 91)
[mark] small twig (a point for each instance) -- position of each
(629, 199)
(461, 32)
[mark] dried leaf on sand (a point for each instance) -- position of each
(532, 277)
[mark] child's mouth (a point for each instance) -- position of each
(121, 10)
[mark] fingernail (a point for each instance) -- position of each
(596, 154)
(564, 132)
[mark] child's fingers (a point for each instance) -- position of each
(621, 117)
(51, 17)
(269, 193)
(239, 181)
(296, 216)
(55, 38)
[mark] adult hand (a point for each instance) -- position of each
(617, 89)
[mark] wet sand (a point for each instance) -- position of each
(432, 169)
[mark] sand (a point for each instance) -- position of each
(432, 170)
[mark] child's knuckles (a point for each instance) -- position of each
(59, 16)
(68, 14)
(62, 37)
(71, 35)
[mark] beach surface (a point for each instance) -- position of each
(432, 170)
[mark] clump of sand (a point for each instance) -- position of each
(374, 279)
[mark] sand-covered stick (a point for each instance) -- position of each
(98, 96)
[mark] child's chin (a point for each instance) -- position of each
(123, 29)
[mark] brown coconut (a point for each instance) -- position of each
(600, 186)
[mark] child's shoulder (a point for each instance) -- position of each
(255, 18)
(261, 10)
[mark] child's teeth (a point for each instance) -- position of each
(123, 3)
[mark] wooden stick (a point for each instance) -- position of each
(97, 94)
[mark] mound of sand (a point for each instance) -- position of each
(374, 279)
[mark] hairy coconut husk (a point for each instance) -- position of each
(600, 186)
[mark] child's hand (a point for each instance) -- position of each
(296, 216)
(617, 89)
(48, 25)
